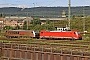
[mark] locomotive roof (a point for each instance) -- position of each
(61, 31)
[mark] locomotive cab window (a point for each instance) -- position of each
(41, 32)
(31, 32)
(65, 29)
(61, 29)
(78, 32)
(58, 29)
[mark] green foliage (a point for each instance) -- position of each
(41, 27)
(50, 27)
(44, 11)
(17, 27)
(61, 23)
(47, 21)
(25, 25)
(2, 15)
(77, 24)
(35, 21)
(8, 28)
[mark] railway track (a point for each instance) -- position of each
(31, 39)
(55, 45)
(52, 47)
(27, 40)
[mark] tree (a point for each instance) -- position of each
(35, 21)
(25, 25)
(2, 15)
(17, 27)
(8, 28)
(47, 21)
(73, 17)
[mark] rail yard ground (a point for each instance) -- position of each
(72, 47)
(76, 45)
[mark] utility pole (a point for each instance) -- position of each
(33, 12)
(33, 8)
(27, 21)
(34, 4)
(69, 13)
(84, 19)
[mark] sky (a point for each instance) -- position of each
(42, 3)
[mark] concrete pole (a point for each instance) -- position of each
(69, 13)
(83, 18)
(27, 21)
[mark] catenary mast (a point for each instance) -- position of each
(69, 13)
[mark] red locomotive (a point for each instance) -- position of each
(61, 33)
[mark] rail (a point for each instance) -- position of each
(42, 52)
